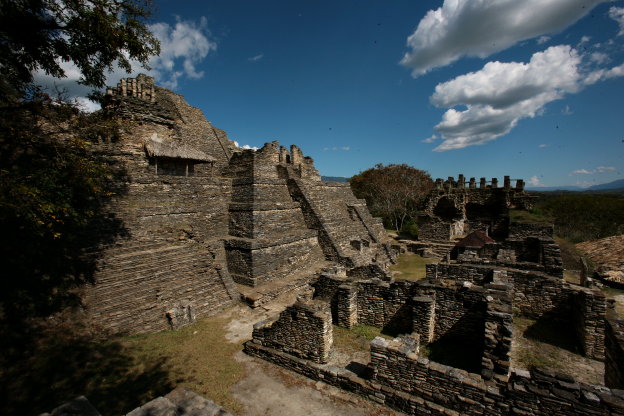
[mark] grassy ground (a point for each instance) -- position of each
(546, 344)
(197, 357)
(355, 339)
(411, 266)
(522, 216)
(44, 368)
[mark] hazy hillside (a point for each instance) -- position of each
(334, 179)
(619, 184)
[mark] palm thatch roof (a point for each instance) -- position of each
(157, 147)
(474, 239)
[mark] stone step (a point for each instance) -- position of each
(262, 295)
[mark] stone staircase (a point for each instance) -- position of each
(347, 233)
(143, 285)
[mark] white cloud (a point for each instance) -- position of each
(599, 169)
(543, 145)
(482, 27)
(183, 46)
(535, 181)
(617, 14)
(584, 40)
(337, 148)
(245, 146)
(543, 39)
(256, 58)
(604, 74)
(499, 95)
(599, 58)
(431, 139)
(567, 111)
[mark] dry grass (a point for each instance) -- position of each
(197, 356)
(546, 344)
(411, 266)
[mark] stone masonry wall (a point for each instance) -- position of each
(166, 269)
(614, 352)
(463, 272)
(303, 330)
(417, 386)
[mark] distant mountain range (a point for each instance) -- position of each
(334, 179)
(618, 184)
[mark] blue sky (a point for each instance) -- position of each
(531, 89)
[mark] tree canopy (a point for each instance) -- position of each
(94, 35)
(393, 192)
(53, 188)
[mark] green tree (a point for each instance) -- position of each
(53, 187)
(393, 192)
(93, 34)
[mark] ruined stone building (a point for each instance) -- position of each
(201, 215)
(492, 271)
(205, 222)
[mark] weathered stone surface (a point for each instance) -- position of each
(199, 214)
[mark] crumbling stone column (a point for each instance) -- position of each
(498, 334)
(590, 313)
(423, 315)
(346, 306)
(507, 182)
(494, 183)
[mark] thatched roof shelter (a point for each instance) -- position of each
(475, 239)
(157, 147)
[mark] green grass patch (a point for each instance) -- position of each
(529, 217)
(355, 339)
(411, 266)
(197, 356)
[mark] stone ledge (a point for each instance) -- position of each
(254, 244)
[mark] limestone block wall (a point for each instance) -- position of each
(256, 262)
(614, 352)
(414, 385)
(459, 312)
(589, 314)
(498, 333)
(303, 330)
(434, 231)
(463, 272)
(385, 304)
(165, 270)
